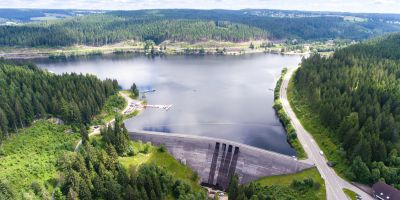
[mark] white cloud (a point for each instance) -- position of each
(380, 6)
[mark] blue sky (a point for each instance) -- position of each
(379, 6)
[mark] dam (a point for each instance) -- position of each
(217, 160)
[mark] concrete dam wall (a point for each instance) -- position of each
(216, 160)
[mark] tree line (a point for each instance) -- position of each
(28, 93)
(356, 94)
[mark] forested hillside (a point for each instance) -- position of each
(319, 27)
(28, 93)
(188, 26)
(99, 30)
(356, 95)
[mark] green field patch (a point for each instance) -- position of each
(286, 181)
(31, 155)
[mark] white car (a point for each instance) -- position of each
(321, 152)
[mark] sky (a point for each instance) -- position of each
(369, 6)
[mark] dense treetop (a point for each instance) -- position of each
(106, 29)
(356, 94)
(186, 25)
(28, 93)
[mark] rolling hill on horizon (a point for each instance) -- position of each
(190, 25)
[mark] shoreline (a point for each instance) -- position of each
(43, 55)
(210, 48)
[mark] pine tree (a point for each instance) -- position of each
(84, 135)
(233, 188)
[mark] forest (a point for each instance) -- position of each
(96, 173)
(28, 93)
(97, 30)
(186, 25)
(356, 95)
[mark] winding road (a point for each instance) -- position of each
(334, 183)
(96, 131)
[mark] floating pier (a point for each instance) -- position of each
(165, 107)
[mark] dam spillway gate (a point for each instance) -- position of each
(226, 160)
(217, 160)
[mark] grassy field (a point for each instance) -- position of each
(322, 135)
(286, 180)
(31, 155)
(350, 194)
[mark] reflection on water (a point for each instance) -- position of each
(227, 97)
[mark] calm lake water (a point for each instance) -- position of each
(226, 97)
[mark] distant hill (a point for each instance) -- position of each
(31, 15)
(356, 95)
(189, 26)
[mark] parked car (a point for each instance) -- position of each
(321, 152)
(331, 164)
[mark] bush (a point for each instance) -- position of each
(37, 189)
(2, 152)
(304, 184)
(195, 176)
(130, 151)
(162, 148)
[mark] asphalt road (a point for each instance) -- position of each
(334, 183)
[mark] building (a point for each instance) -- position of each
(383, 191)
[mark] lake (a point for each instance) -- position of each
(227, 97)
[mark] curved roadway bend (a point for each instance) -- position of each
(96, 131)
(334, 183)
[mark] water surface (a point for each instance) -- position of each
(228, 97)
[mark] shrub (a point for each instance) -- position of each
(162, 148)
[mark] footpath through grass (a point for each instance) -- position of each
(31, 155)
(317, 192)
(324, 137)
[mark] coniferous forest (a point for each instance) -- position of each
(28, 93)
(188, 26)
(356, 94)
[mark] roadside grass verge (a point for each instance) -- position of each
(352, 195)
(31, 156)
(291, 133)
(322, 136)
(287, 181)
